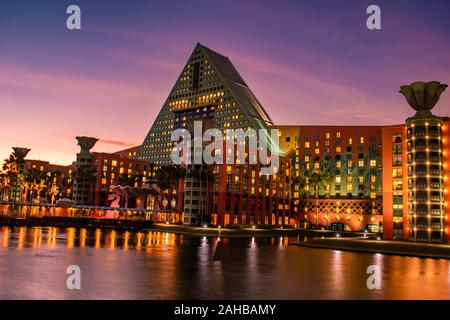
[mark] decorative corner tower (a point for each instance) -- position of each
(84, 173)
(19, 154)
(425, 163)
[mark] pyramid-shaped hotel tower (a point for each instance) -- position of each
(209, 86)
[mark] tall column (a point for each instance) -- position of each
(84, 177)
(425, 163)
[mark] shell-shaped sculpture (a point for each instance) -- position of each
(20, 153)
(86, 143)
(423, 96)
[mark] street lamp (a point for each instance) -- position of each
(173, 203)
(164, 203)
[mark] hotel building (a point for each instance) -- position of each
(209, 89)
(391, 179)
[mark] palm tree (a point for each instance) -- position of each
(167, 178)
(51, 184)
(13, 167)
(3, 185)
(33, 181)
(327, 178)
(316, 178)
(9, 168)
(66, 183)
(125, 180)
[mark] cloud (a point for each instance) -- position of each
(118, 143)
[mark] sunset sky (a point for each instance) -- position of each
(308, 62)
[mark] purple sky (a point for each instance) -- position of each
(308, 62)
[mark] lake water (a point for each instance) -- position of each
(155, 265)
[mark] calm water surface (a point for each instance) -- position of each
(155, 265)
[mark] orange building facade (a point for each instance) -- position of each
(351, 197)
(112, 168)
(241, 195)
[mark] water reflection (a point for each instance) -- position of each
(160, 265)
(36, 237)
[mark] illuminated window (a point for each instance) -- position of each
(349, 141)
(397, 173)
(397, 185)
(317, 151)
(361, 179)
(361, 163)
(338, 149)
(338, 134)
(338, 164)
(373, 195)
(306, 144)
(373, 178)
(114, 163)
(306, 158)
(373, 163)
(361, 140)
(349, 179)
(349, 187)
(316, 165)
(338, 179)
(327, 135)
